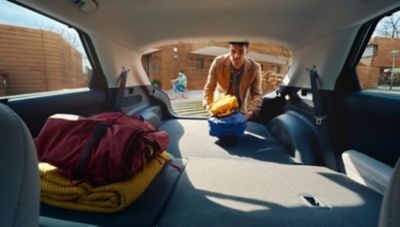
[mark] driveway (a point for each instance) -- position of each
(191, 106)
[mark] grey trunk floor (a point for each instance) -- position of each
(233, 192)
(190, 138)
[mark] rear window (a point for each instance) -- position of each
(164, 63)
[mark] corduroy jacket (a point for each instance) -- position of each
(250, 91)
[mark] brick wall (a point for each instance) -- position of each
(383, 57)
(368, 76)
(372, 67)
(34, 60)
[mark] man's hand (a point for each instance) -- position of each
(249, 114)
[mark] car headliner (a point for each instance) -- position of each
(302, 26)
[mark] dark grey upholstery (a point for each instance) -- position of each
(19, 173)
(190, 138)
(233, 192)
(298, 135)
(52, 222)
(390, 212)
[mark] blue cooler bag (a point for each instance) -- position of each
(232, 125)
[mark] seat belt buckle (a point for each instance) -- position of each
(319, 119)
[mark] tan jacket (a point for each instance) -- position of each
(249, 88)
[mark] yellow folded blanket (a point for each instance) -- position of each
(58, 191)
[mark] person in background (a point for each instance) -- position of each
(180, 82)
(236, 74)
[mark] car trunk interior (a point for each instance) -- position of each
(256, 180)
(276, 173)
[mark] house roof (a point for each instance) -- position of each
(215, 51)
(150, 51)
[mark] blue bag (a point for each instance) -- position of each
(229, 126)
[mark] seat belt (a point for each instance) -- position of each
(320, 121)
(119, 97)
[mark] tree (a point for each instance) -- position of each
(65, 33)
(389, 26)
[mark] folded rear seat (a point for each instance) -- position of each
(298, 135)
(143, 212)
(190, 138)
(233, 192)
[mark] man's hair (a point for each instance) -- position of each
(240, 43)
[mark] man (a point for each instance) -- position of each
(238, 75)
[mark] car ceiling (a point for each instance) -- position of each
(142, 24)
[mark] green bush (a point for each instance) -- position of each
(156, 83)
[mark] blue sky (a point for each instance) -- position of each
(381, 23)
(12, 14)
(15, 15)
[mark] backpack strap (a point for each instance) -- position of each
(98, 132)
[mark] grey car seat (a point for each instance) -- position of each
(19, 175)
(390, 210)
(19, 172)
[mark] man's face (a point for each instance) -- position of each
(238, 54)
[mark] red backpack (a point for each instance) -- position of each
(102, 148)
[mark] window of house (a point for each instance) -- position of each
(39, 54)
(155, 68)
(199, 63)
(278, 69)
(146, 64)
(379, 66)
(370, 51)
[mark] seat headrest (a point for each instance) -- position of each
(18, 172)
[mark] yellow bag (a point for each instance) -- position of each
(224, 106)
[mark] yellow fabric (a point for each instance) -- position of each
(224, 106)
(58, 191)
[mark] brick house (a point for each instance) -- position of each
(376, 62)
